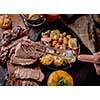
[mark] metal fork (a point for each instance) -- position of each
(67, 53)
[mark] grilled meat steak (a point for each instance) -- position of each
(22, 61)
(6, 51)
(25, 73)
(21, 83)
(22, 51)
(25, 53)
(13, 43)
(29, 73)
(9, 35)
(25, 83)
(27, 50)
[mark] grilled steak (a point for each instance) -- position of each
(22, 61)
(25, 83)
(29, 73)
(21, 51)
(25, 53)
(24, 73)
(9, 49)
(27, 49)
(21, 83)
(3, 55)
(9, 35)
(13, 43)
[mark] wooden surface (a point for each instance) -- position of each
(16, 20)
(80, 26)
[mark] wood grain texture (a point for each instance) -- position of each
(80, 26)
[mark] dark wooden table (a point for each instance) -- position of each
(83, 73)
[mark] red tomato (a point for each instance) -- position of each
(60, 40)
(57, 52)
(54, 43)
(64, 33)
(57, 45)
(69, 48)
(51, 17)
(74, 51)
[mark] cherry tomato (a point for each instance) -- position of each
(68, 36)
(60, 40)
(57, 45)
(69, 48)
(54, 43)
(64, 33)
(75, 52)
(57, 52)
(65, 40)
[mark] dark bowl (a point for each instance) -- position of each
(32, 23)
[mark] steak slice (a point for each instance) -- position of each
(25, 83)
(3, 56)
(27, 49)
(7, 51)
(24, 50)
(29, 73)
(21, 83)
(23, 72)
(22, 61)
(10, 35)
(13, 43)
(12, 51)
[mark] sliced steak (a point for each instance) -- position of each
(10, 67)
(12, 51)
(13, 43)
(23, 72)
(3, 56)
(10, 35)
(29, 73)
(27, 49)
(22, 61)
(24, 50)
(21, 83)
(25, 83)
(7, 51)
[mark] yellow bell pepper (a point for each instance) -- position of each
(60, 78)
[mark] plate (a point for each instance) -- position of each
(62, 28)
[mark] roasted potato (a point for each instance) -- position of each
(46, 60)
(58, 61)
(5, 21)
(65, 41)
